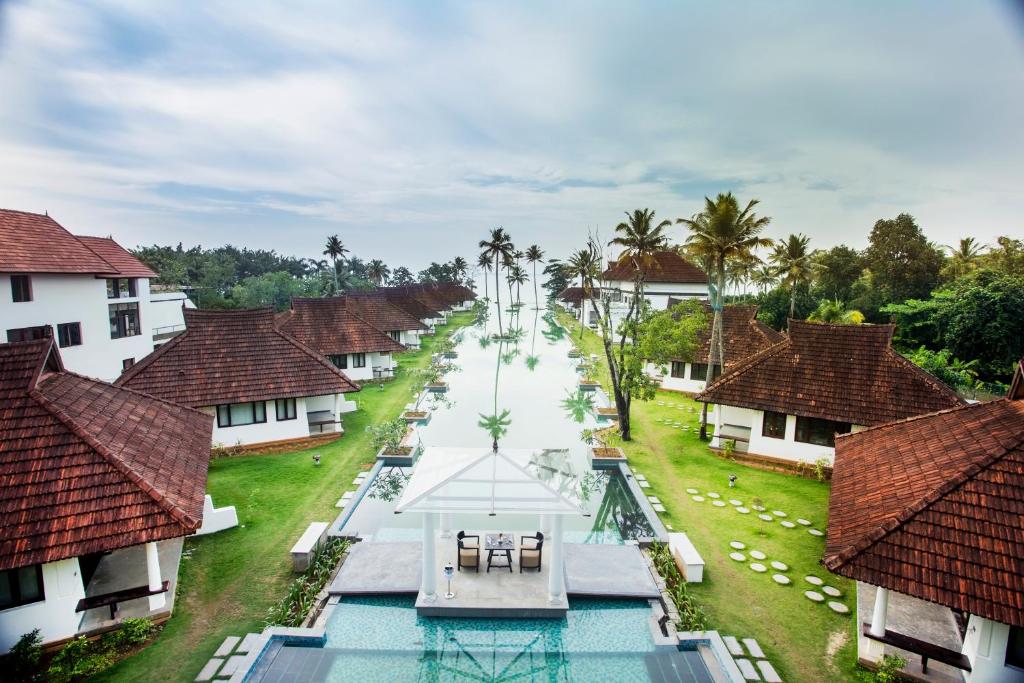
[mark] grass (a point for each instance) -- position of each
(803, 640)
(229, 580)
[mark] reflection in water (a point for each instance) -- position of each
(388, 486)
(579, 405)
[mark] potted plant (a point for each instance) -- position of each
(386, 438)
(432, 376)
(608, 413)
(416, 416)
(599, 451)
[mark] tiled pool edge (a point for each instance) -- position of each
(691, 640)
(302, 637)
(660, 532)
(339, 522)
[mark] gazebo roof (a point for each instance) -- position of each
(461, 480)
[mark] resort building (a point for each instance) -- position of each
(571, 299)
(669, 276)
(374, 308)
(743, 335)
(788, 402)
(333, 328)
(88, 293)
(100, 484)
(260, 384)
(414, 306)
(166, 319)
(926, 515)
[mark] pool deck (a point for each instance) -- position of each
(593, 570)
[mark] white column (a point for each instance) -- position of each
(428, 582)
(881, 608)
(556, 580)
(155, 582)
(446, 525)
(545, 524)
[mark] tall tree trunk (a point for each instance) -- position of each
(487, 296)
(497, 295)
(536, 299)
(792, 301)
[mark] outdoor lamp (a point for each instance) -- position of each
(732, 480)
(316, 458)
(449, 572)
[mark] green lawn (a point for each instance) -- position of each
(805, 641)
(228, 580)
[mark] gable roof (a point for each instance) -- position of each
(233, 356)
(374, 308)
(410, 304)
(932, 507)
(34, 243)
(744, 334)
(88, 467)
(119, 258)
(666, 266)
(331, 326)
(571, 295)
(846, 373)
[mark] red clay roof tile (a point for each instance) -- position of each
(331, 326)
(667, 266)
(34, 243)
(123, 262)
(744, 334)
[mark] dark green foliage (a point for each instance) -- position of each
(558, 277)
(691, 615)
(903, 263)
(22, 664)
(773, 307)
(301, 597)
(402, 276)
(953, 371)
(81, 658)
(839, 268)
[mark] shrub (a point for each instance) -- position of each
(820, 466)
(293, 608)
(23, 661)
(78, 660)
(691, 615)
(387, 435)
(134, 631)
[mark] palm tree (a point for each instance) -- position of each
(335, 250)
(498, 248)
(459, 267)
(721, 234)
(377, 271)
(584, 264)
(835, 312)
(793, 264)
(764, 278)
(518, 277)
(640, 240)
(964, 258)
(484, 262)
(533, 255)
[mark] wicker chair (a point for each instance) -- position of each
(469, 551)
(530, 548)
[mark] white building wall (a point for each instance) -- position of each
(271, 430)
(410, 338)
(788, 448)
(55, 617)
(685, 383)
(166, 313)
(985, 645)
(83, 299)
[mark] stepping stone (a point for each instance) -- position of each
(803, 522)
(210, 669)
(692, 491)
(743, 510)
(248, 643)
(753, 648)
(739, 557)
(767, 518)
(737, 503)
(757, 555)
(737, 545)
(831, 591)
(231, 666)
(815, 532)
(658, 507)
(698, 499)
(653, 499)
(357, 481)
(768, 672)
(813, 580)
(713, 495)
(814, 596)
(342, 502)
(747, 670)
(758, 567)
(669, 527)
(759, 508)
(686, 428)
(718, 503)
(347, 495)
(661, 403)
(639, 477)
(838, 607)
(227, 647)
(779, 513)
(733, 645)
(781, 566)
(788, 524)
(644, 484)
(781, 579)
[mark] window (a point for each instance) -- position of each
(819, 432)
(1015, 648)
(21, 586)
(127, 363)
(285, 409)
(124, 320)
(396, 335)
(20, 334)
(120, 287)
(678, 370)
(69, 334)
(774, 425)
(340, 361)
(238, 414)
(21, 288)
(359, 360)
(699, 371)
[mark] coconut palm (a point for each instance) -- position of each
(533, 255)
(518, 277)
(497, 249)
(484, 262)
(640, 239)
(964, 258)
(835, 312)
(584, 264)
(335, 250)
(794, 264)
(459, 267)
(377, 271)
(763, 278)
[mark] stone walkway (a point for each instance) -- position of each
(228, 657)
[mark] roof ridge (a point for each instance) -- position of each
(382, 333)
(749, 361)
(159, 497)
(914, 418)
(934, 382)
(315, 356)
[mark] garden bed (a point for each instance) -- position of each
(416, 416)
(587, 384)
(608, 413)
(437, 387)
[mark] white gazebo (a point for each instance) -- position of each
(495, 481)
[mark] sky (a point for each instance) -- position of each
(410, 129)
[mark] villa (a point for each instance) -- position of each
(263, 386)
(334, 328)
(88, 293)
(787, 403)
(100, 484)
(571, 299)
(743, 336)
(414, 306)
(928, 511)
(374, 308)
(669, 276)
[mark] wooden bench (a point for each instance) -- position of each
(689, 561)
(111, 599)
(920, 647)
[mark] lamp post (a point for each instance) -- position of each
(449, 572)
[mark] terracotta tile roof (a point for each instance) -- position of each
(410, 304)
(745, 335)
(233, 357)
(847, 373)
(33, 243)
(932, 507)
(123, 262)
(571, 295)
(375, 309)
(332, 326)
(668, 266)
(88, 467)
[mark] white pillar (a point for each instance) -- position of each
(155, 582)
(556, 580)
(428, 582)
(446, 525)
(881, 608)
(545, 524)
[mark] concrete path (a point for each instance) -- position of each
(608, 570)
(379, 568)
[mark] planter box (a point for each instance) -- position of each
(451, 354)
(608, 413)
(575, 354)
(416, 416)
(589, 384)
(437, 387)
(603, 456)
(403, 456)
